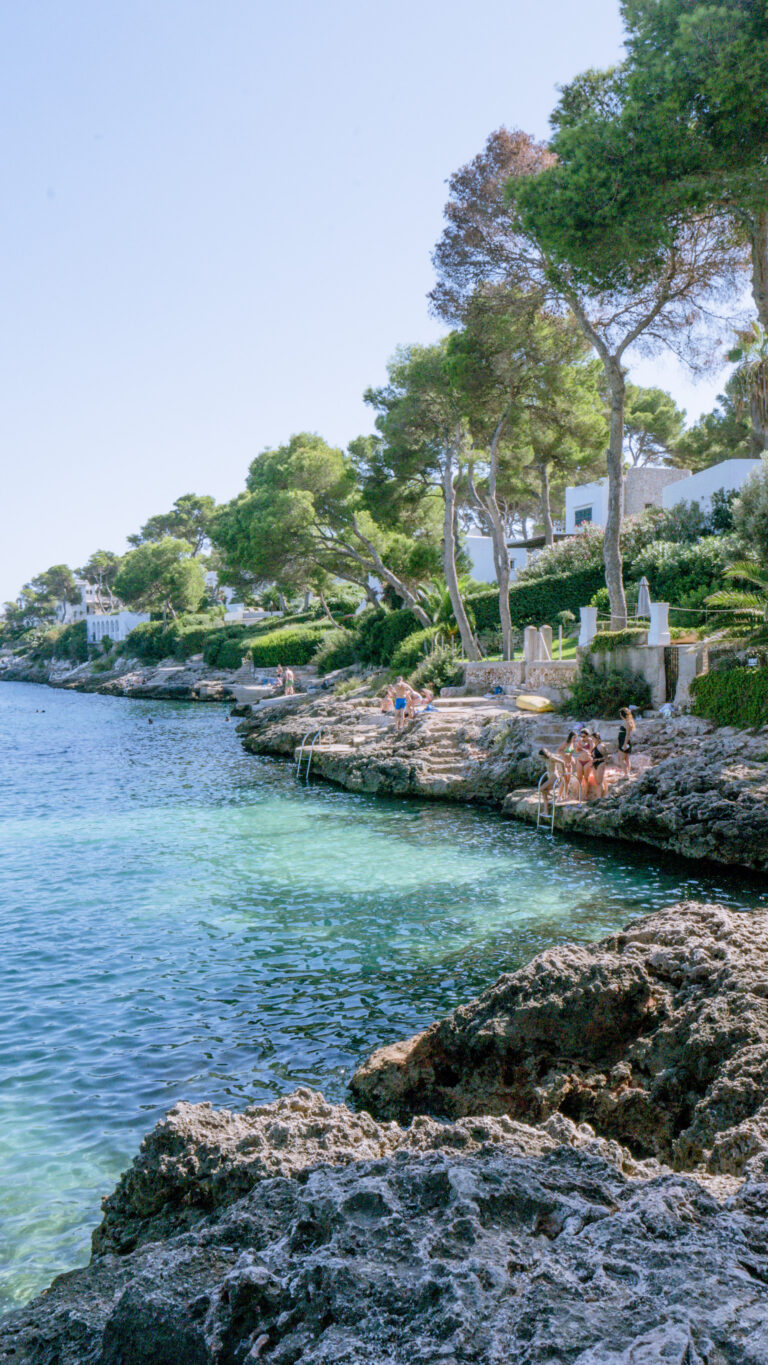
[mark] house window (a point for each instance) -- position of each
(581, 515)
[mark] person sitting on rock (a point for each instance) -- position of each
(400, 692)
(387, 701)
(624, 740)
(411, 702)
(555, 777)
(279, 679)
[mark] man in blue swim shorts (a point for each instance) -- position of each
(400, 693)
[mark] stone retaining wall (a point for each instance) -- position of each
(550, 673)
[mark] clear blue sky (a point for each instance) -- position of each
(217, 226)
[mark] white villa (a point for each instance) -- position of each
(587, 505)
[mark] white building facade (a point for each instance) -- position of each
(728, 477)
(114, 627)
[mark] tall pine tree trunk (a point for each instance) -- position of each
(546, 510)
(758, 242)
(449, 558)
(612, 540)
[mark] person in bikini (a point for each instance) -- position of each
(599, 769)
(582, 761)
(624, 740)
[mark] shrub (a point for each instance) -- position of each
(61, 642)
(291, 645)
(441, 668)
(604, 694)
(674, 571)
(582, 551)
(338, 649)
(149, 642)
(410, 653)
(538, 601)
(607, 641)
(732, 696)
(380, 632)
(750, 511)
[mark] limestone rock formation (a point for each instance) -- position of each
(325, 1238)
(705, 796)
(658, 1036)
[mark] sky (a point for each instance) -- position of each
(218, 221)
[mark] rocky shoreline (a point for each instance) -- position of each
(192, 681)
(702, 791)
(699, 791)
(591, 1185)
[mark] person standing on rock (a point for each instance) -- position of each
(289, 681)
(400, 693)
(624, 740)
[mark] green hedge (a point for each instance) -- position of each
(380, 632)
(338, 649)
(607, 641)
(180, 639)
(733, 696)
(536, 603)
(410, 653)
(292, 646)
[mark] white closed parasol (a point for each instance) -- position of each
(644, 599)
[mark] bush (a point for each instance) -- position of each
(338, 649)
(538, 601)
(604, 694)
(380, 632)
(750, 511)
(582, 551)
(180, 639)
(291, 645)
(61, 642)
(674, 571)
(607, 641)
(410, 653)
(732, 696)
(441, 668)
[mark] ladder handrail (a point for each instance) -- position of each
(312, 749)
(315, 735)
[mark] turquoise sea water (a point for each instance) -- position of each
(179, 920)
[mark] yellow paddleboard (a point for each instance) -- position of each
(527, 702)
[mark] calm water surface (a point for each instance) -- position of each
(182, 921)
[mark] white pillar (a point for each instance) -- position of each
(659, 630)
(545, 642)
(530, 644)
(588, 626)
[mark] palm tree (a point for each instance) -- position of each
(753, 604)
(749, 382)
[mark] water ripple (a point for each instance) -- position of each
(182, 921)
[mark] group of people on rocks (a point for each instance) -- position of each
(403, 699)
(578, 768)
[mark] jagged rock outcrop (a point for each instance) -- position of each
(461, 752)
(658, 1036)
(705, 796)
(323, 1237)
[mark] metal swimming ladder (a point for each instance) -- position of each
(314, 735)
(553, 798)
